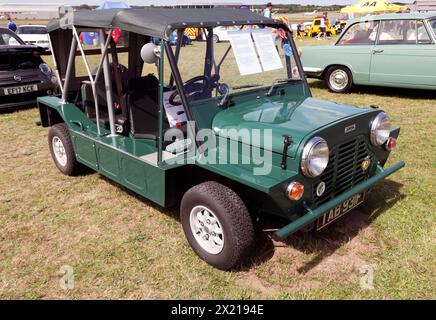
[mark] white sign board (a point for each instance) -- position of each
(245, 54)
(269, 56)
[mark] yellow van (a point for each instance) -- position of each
(316, 29)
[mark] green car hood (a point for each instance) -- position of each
(296, 118)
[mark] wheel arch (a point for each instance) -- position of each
(324, 72)
(177, 177)
(48, 115)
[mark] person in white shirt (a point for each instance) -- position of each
(322, 27)
(268, 10)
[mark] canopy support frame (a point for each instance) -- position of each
(55, 63)
(108, 83)
(70, 64)
(93, 80)
(181, 90)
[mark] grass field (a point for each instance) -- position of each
(122, 246)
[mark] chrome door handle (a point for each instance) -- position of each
(377, 51)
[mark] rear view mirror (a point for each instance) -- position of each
(223, 88)
(150, 53)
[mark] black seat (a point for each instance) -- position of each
(88, 101)
(143, 105)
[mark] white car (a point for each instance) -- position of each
(220, 33)
(34, 34)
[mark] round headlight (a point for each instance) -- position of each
(45, 69)
(315, 157)
(380, 129)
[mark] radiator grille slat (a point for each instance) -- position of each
(344, 169)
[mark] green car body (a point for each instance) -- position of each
(290, 113)
(402, 62)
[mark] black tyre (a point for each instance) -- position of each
(62, 151)
(215, 38)
(339, 79)
(217, 225)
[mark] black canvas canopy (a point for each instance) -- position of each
(159, 22)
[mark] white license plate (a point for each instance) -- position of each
(339, 210)
(20, 89)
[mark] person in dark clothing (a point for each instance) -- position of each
(300, 30)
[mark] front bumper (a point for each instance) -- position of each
(312, 215)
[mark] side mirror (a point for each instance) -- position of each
(150, 53)
(223, 88)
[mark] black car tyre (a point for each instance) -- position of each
(339, 79)
(62, 151)
(217, 225)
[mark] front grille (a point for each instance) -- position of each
(29, 78)
(344, 169)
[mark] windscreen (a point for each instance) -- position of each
(21, 60)
(240, 58)
(9, 38)
(31, 30)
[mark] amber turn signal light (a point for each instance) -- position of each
(295, 191)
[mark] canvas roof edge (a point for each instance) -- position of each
(159, 22)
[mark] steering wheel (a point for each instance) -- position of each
(195, 88)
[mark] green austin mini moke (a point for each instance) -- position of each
(228, 131)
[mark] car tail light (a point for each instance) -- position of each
(180, 124)
(391, 144)
(295, 191)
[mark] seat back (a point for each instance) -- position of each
(143, 105)
(88, 97)
(89, 102)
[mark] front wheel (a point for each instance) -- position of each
(61, 149)
(215, 38)
(217, 225)
(339, 79)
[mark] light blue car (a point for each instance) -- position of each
(395, 50)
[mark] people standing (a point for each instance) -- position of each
(268, 10)
(300, 30)
(11, 25)
(322, 27)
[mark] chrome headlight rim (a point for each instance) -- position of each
(375, 139)
(307, 153)
(45, 69)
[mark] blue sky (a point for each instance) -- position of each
(163, 2)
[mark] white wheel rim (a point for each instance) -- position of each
(207, 229)
(338, 79)
(59, 151)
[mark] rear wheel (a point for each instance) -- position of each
(217, 225)
(339, 79)
(61, 149)
(215, 38)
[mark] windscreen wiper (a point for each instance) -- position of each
(227, 94)
(246, 86)
(275, 83)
